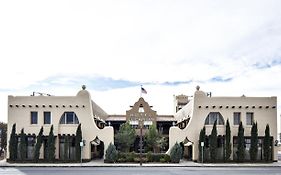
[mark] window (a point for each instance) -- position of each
(34, 117)
(141, 109)
(247, 144)
(249, 118)
(214, 116)
(134, 122)
(147, 122)
(47, 117)
(69, 118)
(236, 118)
(68, 151)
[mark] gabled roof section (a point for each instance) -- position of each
(141, 103)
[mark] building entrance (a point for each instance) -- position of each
(97, 149)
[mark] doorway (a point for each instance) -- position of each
(97, 149)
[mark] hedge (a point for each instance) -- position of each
(146, 157)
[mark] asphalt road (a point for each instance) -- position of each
(141, 171)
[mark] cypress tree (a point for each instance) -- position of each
(66, 147)
(202, 138)
(3, 137)
(78, 139)
(126, 137)
(152, 138)
(241, 144)
(267, 144)
(13, 144)
(23, 145)
(214, 143)
(254, 142)
(38, 145)
(227, 141)
(51, 148)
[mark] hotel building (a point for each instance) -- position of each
(99, 128)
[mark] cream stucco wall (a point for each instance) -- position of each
(265, 112)
(19, 108)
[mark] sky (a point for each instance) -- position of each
(229, 48)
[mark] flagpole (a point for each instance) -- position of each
(140, 91)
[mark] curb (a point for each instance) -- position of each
(146, 166)
(3, 163)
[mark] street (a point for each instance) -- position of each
(139, 170)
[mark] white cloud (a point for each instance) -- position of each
(140, 41)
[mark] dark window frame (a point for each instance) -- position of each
(249, 114)
(212, 115)
(47, 118)
(69, 117)
(34, 117)
(235, 114)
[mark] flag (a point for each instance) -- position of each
(143, 90)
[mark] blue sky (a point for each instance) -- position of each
(229, 48)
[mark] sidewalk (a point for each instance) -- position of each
(100, 163)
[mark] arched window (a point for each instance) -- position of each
(69, 118)
(214, 116)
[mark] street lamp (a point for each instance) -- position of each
(141, 140)
(141, 120)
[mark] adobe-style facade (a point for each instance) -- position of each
(64, 113)
(98, 128)
(204, 110)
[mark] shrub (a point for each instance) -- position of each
(152, 138)
(267, 144)
(241, 144)
(23, 145)
(137, 159)
(149, 156)
(3, 137)
(121, 160)
(202, 138)
(162, 160)
(254, 142)
(126, 137)
(146, 157)
(176, 153)
(78, 139)
(131, 156)
(38, 145)
(157, 157)
(51, 148)
(213, 143)
(66, 148)
(167, 158)
(111, 154)
(121, 156)
(13, 144)
(227, 141)
(152, 157)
